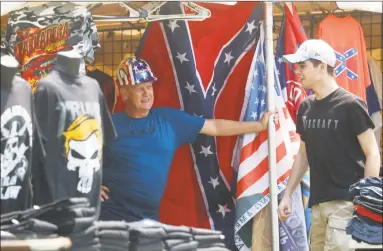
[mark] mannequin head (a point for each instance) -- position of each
(69, 62)
(9, 68)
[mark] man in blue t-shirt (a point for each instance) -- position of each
(137, 163)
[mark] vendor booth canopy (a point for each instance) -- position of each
(117, 9)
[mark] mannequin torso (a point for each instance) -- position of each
(74, 121)
(16, 137)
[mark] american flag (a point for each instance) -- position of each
(289, 239)
(253, 177)
(201, 99)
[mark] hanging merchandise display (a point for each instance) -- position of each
(351, 67)
(17, 137)
(75, 124)
(36, 34)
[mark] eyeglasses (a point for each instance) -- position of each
(150, 127)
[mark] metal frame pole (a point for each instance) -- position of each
(271, 128)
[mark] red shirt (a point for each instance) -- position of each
(345, 35)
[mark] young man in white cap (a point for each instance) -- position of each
(137, 162)
(337, 142)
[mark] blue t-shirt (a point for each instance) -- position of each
(137, 162)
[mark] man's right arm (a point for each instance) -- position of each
(300, 167)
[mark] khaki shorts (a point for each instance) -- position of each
(328, 226)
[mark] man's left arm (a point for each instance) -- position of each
(370, 148)
(222, 127)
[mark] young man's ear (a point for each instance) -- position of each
(323, 67)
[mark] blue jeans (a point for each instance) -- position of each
(369, 233)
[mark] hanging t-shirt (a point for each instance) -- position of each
(329, 127)
(18, 140)
(75, 124)
(345, 35)
(36, 34)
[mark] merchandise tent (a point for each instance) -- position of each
(121, 28)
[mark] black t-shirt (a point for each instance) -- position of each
(330, 127)
(75, 124)
(18, 135)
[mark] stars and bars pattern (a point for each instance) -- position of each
(342, 66)
(253, 178)
(194, 99)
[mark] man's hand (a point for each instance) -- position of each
(265, 118)
(285, 208)
(103, 194)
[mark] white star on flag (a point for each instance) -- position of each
(280, 60)
(173, 25)
(256, 101)
(214, 182)
(182, 57)
(206, 151)
(190, 88)
(254, 115)
(135, 68)
(140, 63)
(228, 57)
(223, 210)
(250, 27)
(263, 102)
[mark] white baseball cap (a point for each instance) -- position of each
(312, 49)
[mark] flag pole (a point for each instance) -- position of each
(271, 129)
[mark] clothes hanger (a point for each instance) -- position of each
(337, 8)
(150, 12)
(200, 13)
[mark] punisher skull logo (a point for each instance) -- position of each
(83, 144)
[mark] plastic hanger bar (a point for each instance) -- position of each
(150, 12)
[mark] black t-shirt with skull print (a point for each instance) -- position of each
(18, 140)
(75, 124)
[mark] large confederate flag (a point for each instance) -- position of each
(202, 69)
